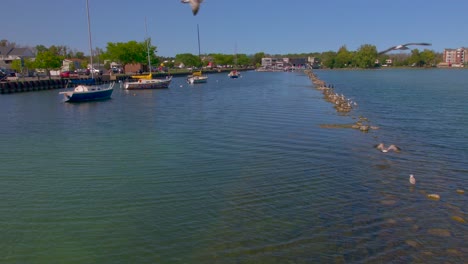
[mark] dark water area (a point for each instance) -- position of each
(239, 171)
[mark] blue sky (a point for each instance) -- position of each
(245, 26)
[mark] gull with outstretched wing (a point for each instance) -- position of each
(403, 47)
(195, 5)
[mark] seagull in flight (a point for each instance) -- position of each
(382, 148)
(404, 47)
(195, 5)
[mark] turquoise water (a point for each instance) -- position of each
(238, 171)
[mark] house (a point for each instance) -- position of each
(71, 64)
(9, 54)
(314, 62)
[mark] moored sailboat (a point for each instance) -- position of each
(91, 91)
(197, 77)
(147, 81)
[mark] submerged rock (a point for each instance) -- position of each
(458, 219)
(336, 126)
(433, 196)
(388, 202)
(439, 232)
(413, 243)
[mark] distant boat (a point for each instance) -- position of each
(147, 81)
(197, 77)
(148, 84)
(89, 91)
(234, 74)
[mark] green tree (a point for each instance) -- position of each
(343, 58)
(257, 58)
(79, 55)
(243, 60)
(428, 57)
(16, 65)
(223, 59)
(188, 59)
(48, 60)
(131, 52)
(328, 59)
(366, 56)
(415, 58)
(6, 43)
(41, 48)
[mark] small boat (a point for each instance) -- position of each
(89, 91)
(147, 81)
(234, 74)
(84, 93)
(148, 84)
(197, 77)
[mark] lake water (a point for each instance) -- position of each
(239, 171)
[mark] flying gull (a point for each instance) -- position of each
(382, 148)
(404, 47)
(195, 5)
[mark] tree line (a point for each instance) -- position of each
(137, 52)
(367, 57)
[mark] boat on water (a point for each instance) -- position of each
(197, 77)
(141, 84)
(234, 74)
(84, 93)
(89, 91)
(147, 81)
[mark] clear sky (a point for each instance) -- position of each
(242, 26)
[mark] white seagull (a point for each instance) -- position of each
(404, 47)
(195, 5)
(382, 148)
(412, 180)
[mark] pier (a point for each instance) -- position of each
(28, 85)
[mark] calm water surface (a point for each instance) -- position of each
(239, 171)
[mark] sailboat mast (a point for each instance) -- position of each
(147, 47)
(235, 54)
(198, 33)
(89, 37)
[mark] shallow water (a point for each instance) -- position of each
(238, 171)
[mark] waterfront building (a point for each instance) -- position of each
(456, 57)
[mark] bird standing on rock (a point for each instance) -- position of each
(412, 180)
(195, 5)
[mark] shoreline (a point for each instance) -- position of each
(30, 84)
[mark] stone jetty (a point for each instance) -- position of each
(340, 102)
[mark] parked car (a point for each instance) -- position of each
(83, 71)
(65, 74)
(68, 74)
(116, 70)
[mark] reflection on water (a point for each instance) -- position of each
(238, 171)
